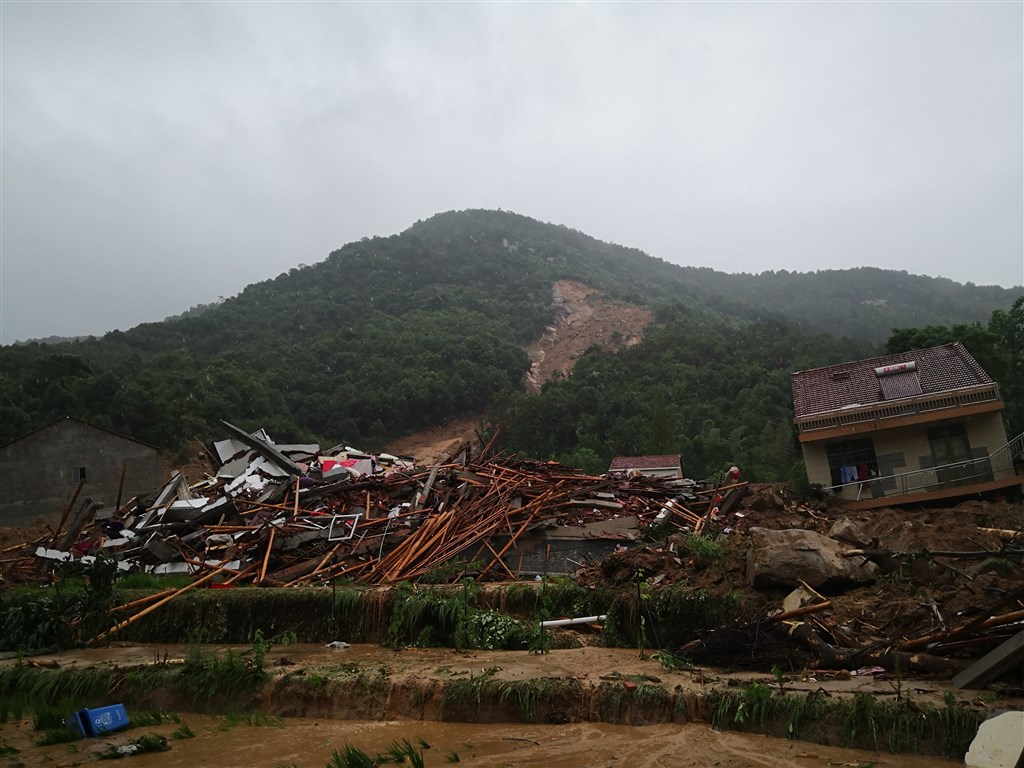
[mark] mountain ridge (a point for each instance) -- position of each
(392, 334)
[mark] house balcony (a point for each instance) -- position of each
(994, 472)
(895, 413)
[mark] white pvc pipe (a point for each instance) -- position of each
(567, 622)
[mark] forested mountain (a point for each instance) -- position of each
(865, 302)
(391, 334)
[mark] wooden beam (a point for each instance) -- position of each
(153, 607)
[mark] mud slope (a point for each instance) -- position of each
(584, 317)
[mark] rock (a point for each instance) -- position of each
(783, 558)
(850, 532)
(999, 743)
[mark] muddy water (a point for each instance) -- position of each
(307, 743)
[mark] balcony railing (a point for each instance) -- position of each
(894, 409)
(998, 465)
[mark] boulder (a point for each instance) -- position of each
(851, 532)
(784, 558)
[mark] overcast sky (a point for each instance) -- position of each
(160, 155)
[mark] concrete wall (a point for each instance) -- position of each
(37, 472)
(907, 449)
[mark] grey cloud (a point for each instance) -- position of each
(159, 155)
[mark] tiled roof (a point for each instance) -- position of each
(939, 369)
(645, 462)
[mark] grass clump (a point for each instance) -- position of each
(61, 735)
(43, 692)
(350, 757)
(704, 551)
(462, 693)
(183, 732)
(900, 726)
(206, 676)
(451, 617)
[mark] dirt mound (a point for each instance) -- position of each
(917, 594)
(15, 537)
(438, 443)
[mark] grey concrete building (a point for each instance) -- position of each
(40, 471)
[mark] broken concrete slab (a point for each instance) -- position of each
(992, 665)
(999, 743)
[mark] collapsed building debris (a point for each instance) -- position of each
(889, 588)
(293, 515)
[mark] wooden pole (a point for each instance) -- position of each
(266, 557)
(971, 626)
(120, 488)
(802, 611)
(502, 562)
(142, 600)
(150, 609)
(240, 574)
(68, 508)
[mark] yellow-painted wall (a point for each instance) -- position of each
(984, 430)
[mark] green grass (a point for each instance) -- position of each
(899, 726)
(183, 732)
(61, 735)
(350, 757)
(152, 582)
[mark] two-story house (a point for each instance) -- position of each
(905, 428)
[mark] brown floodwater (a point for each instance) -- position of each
(309, 743)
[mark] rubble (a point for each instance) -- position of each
(903, 590)
(294, 515)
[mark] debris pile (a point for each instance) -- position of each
(879, 591)
(291, 515)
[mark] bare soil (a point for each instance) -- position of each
(584, 318)
(309, 743)
(439, 443)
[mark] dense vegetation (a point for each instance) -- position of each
(998, 346)
(388, 335)
(716, 392)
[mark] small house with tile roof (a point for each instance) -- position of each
(40, 472)
(670, 465)
(905, 428)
